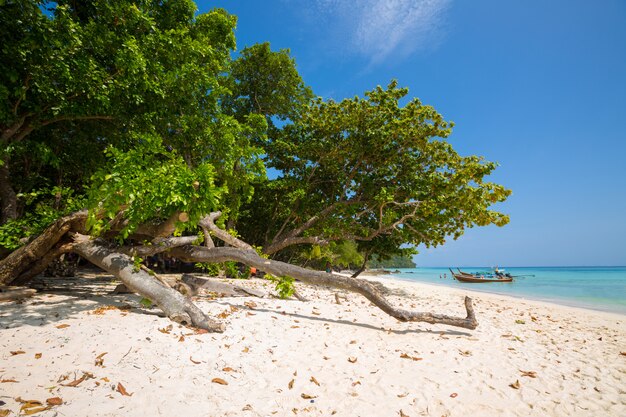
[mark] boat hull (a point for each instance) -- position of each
(465, 277)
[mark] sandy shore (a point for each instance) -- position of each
(315, 358)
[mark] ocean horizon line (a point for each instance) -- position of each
(518, 266)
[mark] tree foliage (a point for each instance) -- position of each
(140, 107)
(373, 171)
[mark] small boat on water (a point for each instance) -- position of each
(466, 277)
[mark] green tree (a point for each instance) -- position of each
(371, 171)
(184, 130)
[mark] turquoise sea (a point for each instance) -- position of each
(598, 288)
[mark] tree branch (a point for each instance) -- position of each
(363, 287)
(209, 223)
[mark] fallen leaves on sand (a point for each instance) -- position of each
(308, 396)
(74, 383)
(30, 406)
(3, 381)
(520, 322)
(62, 326)
(454, 395)
(37, 355)
(181, 338)
(352, 360)
(17, 352)
(100, 360)
(290, 384)
(413, 358)
(101, 310)
(167, 329)
(623, 353)
(402, 395)
(228, 369)
(531, 374)
(200, 331)
(250, 304)
(228, 312)
(402, 414)
(122, 390)
(515, 384)
(246, 350)
(54, 401)
(219, 381)
(354, 384)
(313, 380)
(4, 413)
(195, 362)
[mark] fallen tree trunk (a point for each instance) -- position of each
(363, 287)
(21, 260)
(118, 261)
(174, 304)
(224, 289)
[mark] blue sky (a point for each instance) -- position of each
(539, 87)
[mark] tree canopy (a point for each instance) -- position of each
(141, 113)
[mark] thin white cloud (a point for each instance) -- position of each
(379, 29)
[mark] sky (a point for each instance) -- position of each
(536, 86)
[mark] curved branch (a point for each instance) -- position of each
(365, 288)
(209, 223)
(157, 246)
(282, 244)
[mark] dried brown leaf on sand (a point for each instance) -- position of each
(515, 384)
(623, 353)
(167, 329)
(122, 390)
(195, 362)
(290, 385)
(3, 381)
(219, 381)
(402, 414)
(454, 395)
(37, 355)
(352, 360)
(54, 401)
(30, 406)
(250, 304)
(405, 356)
(531, 374)
(228, 369)
(4, 413)
(17, 352)
(100, 359)
(181, 338)
(62, 326)
(313, 380)
(308, 396)
(74, 383)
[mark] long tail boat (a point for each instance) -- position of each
(465, 277)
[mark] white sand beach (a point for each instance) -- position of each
(314, 358)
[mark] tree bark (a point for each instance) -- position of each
(363, 266)
(174, 304)
(23, 258)
(8, 198)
